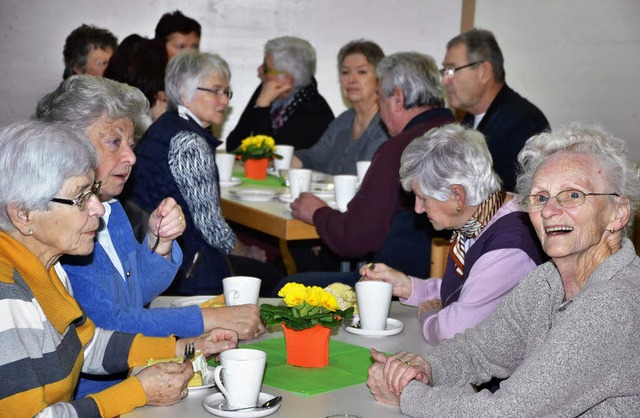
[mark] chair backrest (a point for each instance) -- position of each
(439, 254)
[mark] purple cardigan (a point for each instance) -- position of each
(362, 229)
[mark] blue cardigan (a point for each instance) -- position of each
(115, 304)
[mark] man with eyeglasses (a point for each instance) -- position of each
(474, 77)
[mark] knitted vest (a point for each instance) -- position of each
(513, 230)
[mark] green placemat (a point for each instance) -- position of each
(348, 365)
(270, 181)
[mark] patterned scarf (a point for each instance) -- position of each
(473, 227)
(282, 109)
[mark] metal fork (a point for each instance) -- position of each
(155, 245)
(189, 351)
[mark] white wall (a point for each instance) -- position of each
(32, 33)
(578, 60)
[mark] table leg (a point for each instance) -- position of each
(287, 258)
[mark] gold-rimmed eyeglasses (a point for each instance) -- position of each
(566, 199)
(272, 71)
(80, 202)
(220, 92)
(451, 71)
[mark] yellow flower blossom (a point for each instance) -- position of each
(294, 294)
(329, 301)
(315, 296)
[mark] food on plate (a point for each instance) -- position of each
(200, 368)
(345, 295)
(213, 302)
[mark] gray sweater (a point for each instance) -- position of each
(562, 359)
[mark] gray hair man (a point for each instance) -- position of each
(474, 77)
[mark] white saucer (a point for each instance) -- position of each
(254, 195)
(233, 182)
(214, 402)
(285, 197)
(394, 327)
(190, 300)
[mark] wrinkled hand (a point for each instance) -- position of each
(252, 251)
(401, 368)
(171, 226)
(271, 90)
(164, 383)
(305, 206)
(243, 319)
(402, 285)
(378, 387)
(212, 343)
(429, 305)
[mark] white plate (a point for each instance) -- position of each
(317, 176)
(214, 402)
(394, 327)
(285, 197)
(233, 182)
(318, 187)
(190, 300)
(254, 195)
(324, 195)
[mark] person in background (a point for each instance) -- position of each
(122, 276)
(566, 338)
(140, 62)
(87, 50)
(178, 32)
(474, 78)
(176, 158)
(411, 103)
(357, 133)
(47, 210)
(449, 169)
(286, 105)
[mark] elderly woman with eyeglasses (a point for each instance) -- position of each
(176, 157)
(286, 105)
(566, 338)
(117, 282)
(49, 207)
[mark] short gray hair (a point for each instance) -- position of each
(185, 72)
(446, 156)
(621, 174)
(82, 100)
(294, 55)
(482, 46)
(415, 74)
(36, 159)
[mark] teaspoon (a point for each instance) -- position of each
(268, 404)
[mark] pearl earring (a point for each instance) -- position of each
(30, 231)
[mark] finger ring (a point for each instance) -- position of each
(184, 393)
(408, 363)
(180, 218)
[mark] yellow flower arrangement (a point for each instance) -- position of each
(306, 306)
(257, 147)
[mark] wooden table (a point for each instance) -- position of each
(354, 399)
(269, 217)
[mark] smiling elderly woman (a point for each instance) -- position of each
(566, 339)
(49, 207)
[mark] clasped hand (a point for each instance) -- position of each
(389, 375)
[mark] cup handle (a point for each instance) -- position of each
(221, 388)
(233, 296)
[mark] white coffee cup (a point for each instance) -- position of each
(225, 164)
(239, 290)
(241, 370)
(299, 181)
(374, 300)
(345, 188)
(361, 169)
(286, 151)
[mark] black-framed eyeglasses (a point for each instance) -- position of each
(81, 202)
(220, 92)
(566, 199)
(450, 71)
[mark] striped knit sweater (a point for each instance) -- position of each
(46, 340)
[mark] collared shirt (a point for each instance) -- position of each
(105, 240)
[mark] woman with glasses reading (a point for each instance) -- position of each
(286, 105)
(176, 157)
(566, 338)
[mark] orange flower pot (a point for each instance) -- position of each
(256, 169)
(308, 347)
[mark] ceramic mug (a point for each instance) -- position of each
(374, 301)
(286, 152)
(239, 290)
(239, 376)
(225, 163)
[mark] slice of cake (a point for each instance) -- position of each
(200, 368)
